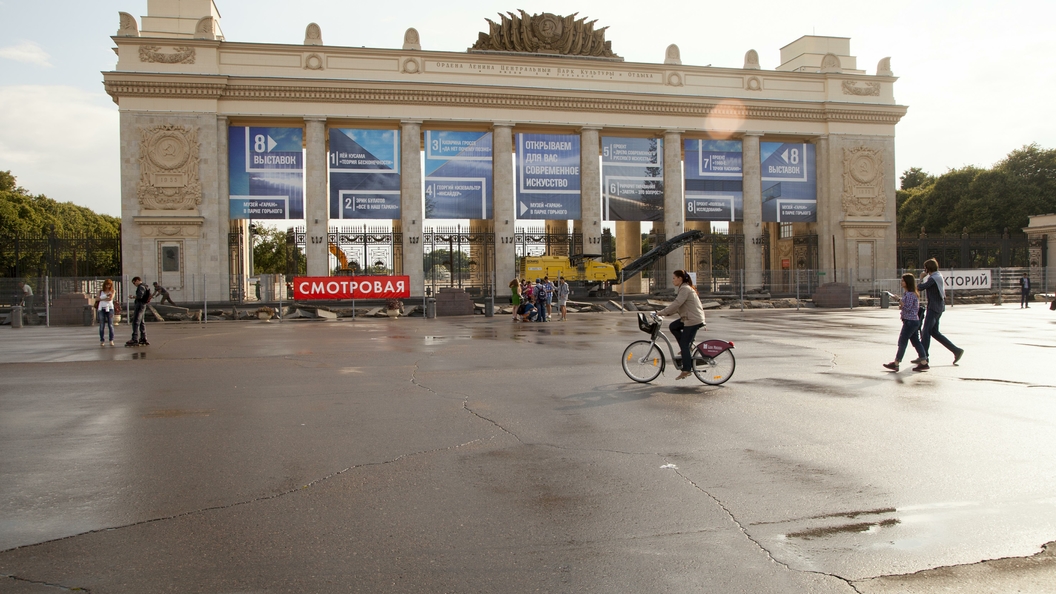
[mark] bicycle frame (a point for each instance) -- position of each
(708, 348)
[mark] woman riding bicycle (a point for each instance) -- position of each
(690, 318)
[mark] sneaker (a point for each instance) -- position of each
(111, 343)
(102, 344)
(922, 367)
(919, 360)
(957, 355)
(893, 366)
(683, 375)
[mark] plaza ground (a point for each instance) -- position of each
(477, 455)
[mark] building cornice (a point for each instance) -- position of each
(313, 91)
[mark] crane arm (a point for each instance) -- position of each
(661, 250)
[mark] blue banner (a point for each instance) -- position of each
(265, 172)
(548, 176)
(364, 174)
(632, 175)
(790, 190)
(714, 172)
(458, 180)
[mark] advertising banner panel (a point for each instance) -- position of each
(632, 175)
(458, 180)
(364, 174)
(714, 171)
(790, 188)
(351, 287)
(548, 176)
(265, 172)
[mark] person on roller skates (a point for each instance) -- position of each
(139, 310)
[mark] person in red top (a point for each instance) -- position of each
(909, 305)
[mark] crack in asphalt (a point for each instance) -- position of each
(48, 584)
(758, 544)
(278, 495)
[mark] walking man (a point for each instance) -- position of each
(933, 285)
(1024, 292)
(562, 297)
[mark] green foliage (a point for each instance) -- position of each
(457, 262)
(25, 215)
(270, 251)
(979, 201)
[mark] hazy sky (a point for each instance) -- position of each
(978, 77)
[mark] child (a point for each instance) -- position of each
(909, 304)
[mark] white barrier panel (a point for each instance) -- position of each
(967, 279)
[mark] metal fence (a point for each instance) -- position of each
(968, 251)
(60, 255)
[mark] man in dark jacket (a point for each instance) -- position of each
(933, 285)
(138, 310)
(1024, 292)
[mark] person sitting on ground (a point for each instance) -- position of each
(529, 313)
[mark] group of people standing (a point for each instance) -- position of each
(534, 302)
(921, 323)
(106, 305)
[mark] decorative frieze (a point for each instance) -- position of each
(868, 89)
(320, 94)
(153, 53)
(863, 182)
(168, 166)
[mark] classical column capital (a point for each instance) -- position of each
(410, 122)
(315, 118)
(753, 133)
(674, 131)
(502, 125)
(594, 127)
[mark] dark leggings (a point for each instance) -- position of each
(684, 335)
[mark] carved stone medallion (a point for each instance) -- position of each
(168, 165)
(152, 53)
(544, 34)
(863, 182)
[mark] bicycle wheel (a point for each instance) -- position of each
(642, 361)
(714, 371)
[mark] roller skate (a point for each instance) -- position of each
(131, 343)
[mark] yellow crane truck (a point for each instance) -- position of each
(584, 271)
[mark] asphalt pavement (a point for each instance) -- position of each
(474, 454)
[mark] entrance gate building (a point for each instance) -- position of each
(216, 132)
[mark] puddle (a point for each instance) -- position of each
(857, 528)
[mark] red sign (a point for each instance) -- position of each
(351, 287)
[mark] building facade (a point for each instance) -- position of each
(210, 131)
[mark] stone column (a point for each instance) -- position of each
(753, 212)
(674, 204)
(590, 189)
(223, 222)
(826, 225)
(412, 208)
(504, 207)
(316, 200)
(629, 245)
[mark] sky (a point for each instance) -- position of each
(978, 77)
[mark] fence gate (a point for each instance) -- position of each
(461, 258)
(718, 260)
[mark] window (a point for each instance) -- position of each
(785, 231)
(170, 258)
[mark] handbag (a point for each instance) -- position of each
(920, 312)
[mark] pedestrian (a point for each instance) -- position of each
(528, 312)
(563, 291)
(909, 305)
(139, 310)
(163, 293)
(1024, 291)
(515, 298)
(549, 287)
(934, 289)
(27, 297)
(104, 306)
(539, 293)
(690, 318)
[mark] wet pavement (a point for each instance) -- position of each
(478, 455)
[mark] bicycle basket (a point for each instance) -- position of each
(645, 324)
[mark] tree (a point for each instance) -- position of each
(271, 253)
(26, 215)
(979, 200)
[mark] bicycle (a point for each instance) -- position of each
(643, 361)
